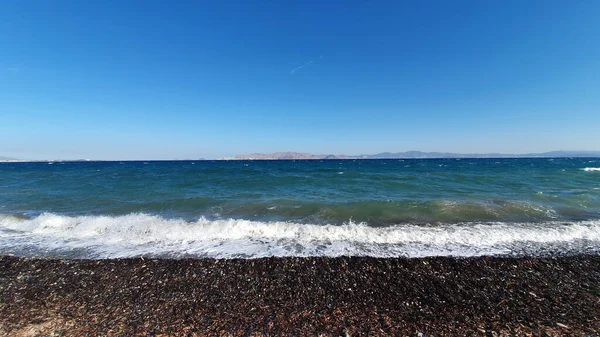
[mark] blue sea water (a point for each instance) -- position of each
(227, 209)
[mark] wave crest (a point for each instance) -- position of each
(142, 235)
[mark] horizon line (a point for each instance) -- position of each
(442, 155)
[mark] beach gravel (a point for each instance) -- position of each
(317, 296)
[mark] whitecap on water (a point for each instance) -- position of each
(142, 235)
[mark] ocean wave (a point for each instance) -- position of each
(376, 212)
(135, 235)
(591, 169)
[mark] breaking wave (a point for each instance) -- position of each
(135, 235)
(591, 169)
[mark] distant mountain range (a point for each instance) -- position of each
(289, 155)
(412, 154)
(385, 155)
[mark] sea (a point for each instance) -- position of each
(252, 209)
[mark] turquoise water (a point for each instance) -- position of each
(279, 208)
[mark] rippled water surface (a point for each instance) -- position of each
(299, 208)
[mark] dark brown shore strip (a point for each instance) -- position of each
(486, 296)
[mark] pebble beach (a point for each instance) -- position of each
(315, 296)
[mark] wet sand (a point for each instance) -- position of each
(487, 296)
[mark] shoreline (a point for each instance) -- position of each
(440, 296)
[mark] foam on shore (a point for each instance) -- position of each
(150, 235)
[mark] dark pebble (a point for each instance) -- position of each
(347, 296)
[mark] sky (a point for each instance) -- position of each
(199, 79)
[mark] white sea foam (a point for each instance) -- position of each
(591, 169)
(143, 235)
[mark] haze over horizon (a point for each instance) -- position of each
(287, 155)
(156, 80)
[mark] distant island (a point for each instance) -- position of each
(288, 155)
(412, 155)
(383, 155)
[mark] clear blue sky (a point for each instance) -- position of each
(191, 79)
